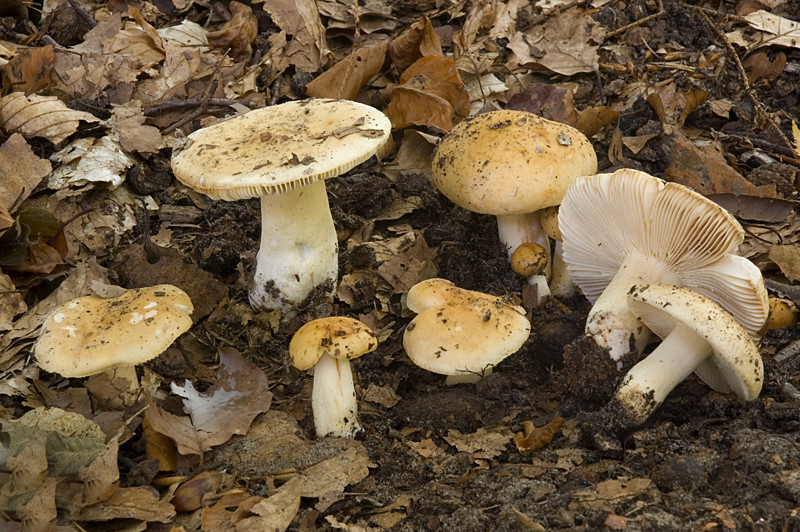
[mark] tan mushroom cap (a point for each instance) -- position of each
(549, 221)
(460, 331)
(338, 336)
(529, 259)
(510, 162)
(735, 364)
(280, 147)
(91, 334)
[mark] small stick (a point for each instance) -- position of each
(194, 102)
(751, 93)
(635, 23)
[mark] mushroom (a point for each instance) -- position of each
(782, 313)
(461, 333)
(91, 335)
(283, 154)
(698, 335)
(512, 164)
(630, 228)
(561, 284)
(529, 259)
(328, 345)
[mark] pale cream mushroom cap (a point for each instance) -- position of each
(460, 331)
(338, 336)
(91, 334)
(735, 363)
(281, 147)
(510, 162)
(549, 221)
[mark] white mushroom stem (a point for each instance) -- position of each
(610, 322)
(517, 229)
(299, 248)
(651, 380)
(333, 398)
(561, 284)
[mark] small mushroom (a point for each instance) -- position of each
(328, 345)
(782, 313)
(283, 154)
(512, 164)
(90, 335)
(529, 259)
(461, 333)
(698, 336)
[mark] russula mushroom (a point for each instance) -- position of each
(698, 336)
(283, 154)
(529, 259)
(328, 345)
(782, 313)
(91, 334)
(512, 164)
(630, 228)
(561, 284)
(461, 333)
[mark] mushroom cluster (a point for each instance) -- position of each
(283, 154)
(630, 228)
(512, 164)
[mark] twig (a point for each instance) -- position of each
(203, 107)
(751, 93)
(635, 23)
(86, 17)
(194, 102)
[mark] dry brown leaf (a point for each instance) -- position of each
(775, 31)
(419, 40)
(11, 302)
(382, 395)
(551, 101)
(142, 504)
(40, 116)
(88, 161)
(787, 257)
(533, 438)
(238, 34)
(430, 94)
(425, 447)
(758, 66)
(21, 171)
(593, 120)
(566, 44)
(128, 124)
(148, 28)
(29, 70)
(608, 493)
(345, 78)
(482, 443)
(308, 49)
(228, 407)
(404, 270)
(159, 447)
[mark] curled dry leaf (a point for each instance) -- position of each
(533, 438)
(430, 93)
(29, 70)
(419, 40)
(40, 116)
(345, 78)
(238, 34)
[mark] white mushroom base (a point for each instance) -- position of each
(649, 382)
(333, 399)
(299, 249)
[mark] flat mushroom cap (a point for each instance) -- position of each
(338, 336)
(606, 216)
(510, 162)
(460, 331)
(91, 334)
(280, 147)
(735, 364)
